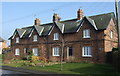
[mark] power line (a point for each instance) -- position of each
(37, 13)
(54, 10)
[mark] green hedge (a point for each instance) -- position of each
(116, 58)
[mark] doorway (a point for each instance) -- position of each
(69, 51)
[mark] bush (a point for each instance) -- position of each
(115, 49)
(116, 59)
(43, 59)
(35, 58)
(24, 58)
(29, 56)
(109, 57)
(54, 59)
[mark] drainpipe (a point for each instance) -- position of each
(97, 47)
(48, 47)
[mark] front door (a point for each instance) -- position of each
(69, 52)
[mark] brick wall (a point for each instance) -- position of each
(110, 42)
(99, 41)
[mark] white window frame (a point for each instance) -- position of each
(17, 39)
(35, 51)
(111, 34)
(35, 38)
(86, 33)
(17, 51)
(56, 51)
(87, 51)
(56, 36)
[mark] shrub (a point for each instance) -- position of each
(43, 59)
(25, 58)
(115, 49)
(35, 58)
(29, 56)
(116, 59)
(54, 59)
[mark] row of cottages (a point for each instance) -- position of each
(85, 38)
(2, 44)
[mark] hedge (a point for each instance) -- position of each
(116, 59)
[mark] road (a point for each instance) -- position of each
(10, 72)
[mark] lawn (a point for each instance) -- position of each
(75, 68)
(0, 59)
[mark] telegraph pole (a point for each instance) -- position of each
(118, 23)
(61, 67)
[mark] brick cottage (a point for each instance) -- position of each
(85, 38)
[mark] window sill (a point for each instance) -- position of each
(35, 41)
(55, 55)
(86, 37)
(17, 55)
(86, 56)
(55, 39)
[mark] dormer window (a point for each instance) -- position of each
(35, 38)
(17, 39)
(56, 36)
(86, 33)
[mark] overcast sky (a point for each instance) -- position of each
(22, 14)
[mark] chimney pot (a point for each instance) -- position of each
(80, 14)
(56, 17)
(37, 21)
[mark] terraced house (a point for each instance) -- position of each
(85, 38)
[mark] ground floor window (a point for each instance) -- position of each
(55, 51)
(87, 51)
(17, 51)
(35, 51)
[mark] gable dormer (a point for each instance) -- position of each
(20, 33)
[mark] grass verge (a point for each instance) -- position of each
(74, 68)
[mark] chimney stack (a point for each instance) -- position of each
(56, 17)
(37, 21)
(80, 14)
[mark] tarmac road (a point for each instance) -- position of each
(10, 72)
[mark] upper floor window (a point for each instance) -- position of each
(55, 51)
(56, 36)
(86, 33)
(35, 38)
(87, 51)
(111, 34)
(17, 51)
(17, 39)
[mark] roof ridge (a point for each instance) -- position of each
(69, 20)
(101, 14)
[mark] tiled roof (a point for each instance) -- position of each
(72, 25)
(102, 20)
(99, 22)
(21, 31)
